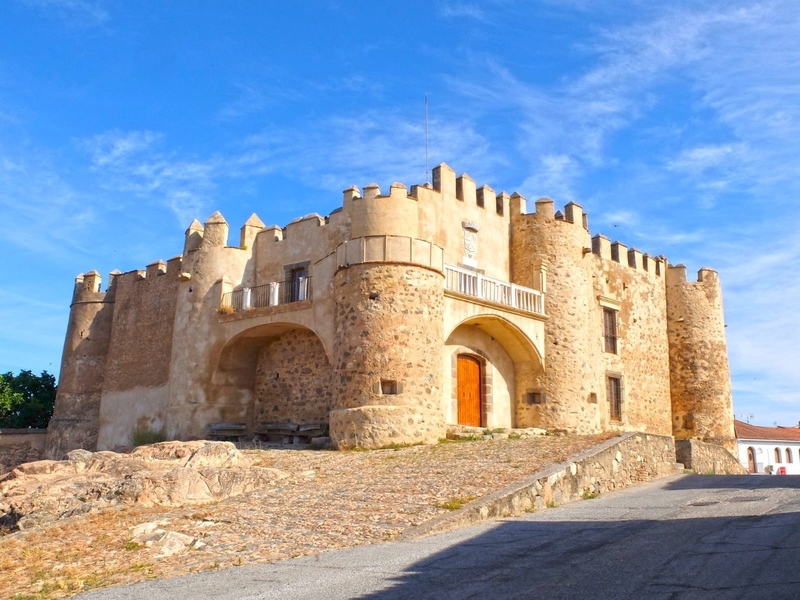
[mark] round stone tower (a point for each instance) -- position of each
(388, 374)
(568, 400)
(700, 382)
(76, 415)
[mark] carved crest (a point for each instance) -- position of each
(470, 231)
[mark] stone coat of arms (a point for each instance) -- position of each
(470, 231)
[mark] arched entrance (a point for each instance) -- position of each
(271, 373)
(468, 378)
(751, 460)
(489, 368)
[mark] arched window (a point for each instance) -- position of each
(788, 455)
(777, 455)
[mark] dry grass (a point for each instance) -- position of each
(330, 500)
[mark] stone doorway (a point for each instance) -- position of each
(469, 390)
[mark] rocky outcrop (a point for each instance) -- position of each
(167, 474)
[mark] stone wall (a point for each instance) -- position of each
(707, 458)
(141, 340)
(18, 446)
(618, 463)
(583, 276)
(293, 380)
(136, 381)
(642, 346)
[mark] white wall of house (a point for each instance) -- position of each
(766, 456)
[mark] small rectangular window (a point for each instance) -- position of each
(610, 330)
(535, 398)
(614, 391)
(389, 387)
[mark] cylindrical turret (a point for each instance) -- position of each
(700, 382)
(77, 408)
(562, 243)
(388, 380)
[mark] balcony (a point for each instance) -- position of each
(275, 293)
(470, 283)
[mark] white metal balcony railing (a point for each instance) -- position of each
(269, 294)
(474, 284)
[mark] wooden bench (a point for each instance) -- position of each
(290, 433)
(227, 432)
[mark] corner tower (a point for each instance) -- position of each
(700, 381)
(76, 415)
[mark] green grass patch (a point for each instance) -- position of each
(455, 503)
(142, 436)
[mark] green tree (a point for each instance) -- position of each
(26, 400)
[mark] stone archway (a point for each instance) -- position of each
(276, 372)
(510, 367)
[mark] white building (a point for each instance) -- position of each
(768, 449)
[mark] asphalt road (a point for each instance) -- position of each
(682, 537)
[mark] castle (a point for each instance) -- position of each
(392, 317)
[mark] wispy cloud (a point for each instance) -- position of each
(86, 13)
(250, 100)
(461, 9)
(42, 212)
(380, 145)
(132, 162)
(698, 160)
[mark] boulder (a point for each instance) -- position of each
(167, 474)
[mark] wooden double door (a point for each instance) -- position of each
(468, 376)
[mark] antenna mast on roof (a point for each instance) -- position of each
(426, 139)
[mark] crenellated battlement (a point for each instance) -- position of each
(601, 245)
(87, 288)
(676, 275)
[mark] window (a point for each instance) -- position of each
(788, 455)
(610, 330)
(614, 390)
(535, 398)
(295, 282)
(389, 387)
(777, 455)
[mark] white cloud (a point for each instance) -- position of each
(461, 9)
(697, 160)
(42, 212)
(381, 146)
(132, 162)
(86, 13)
(115, 147)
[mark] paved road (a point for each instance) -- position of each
(679, 538)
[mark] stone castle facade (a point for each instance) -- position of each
(392, 317)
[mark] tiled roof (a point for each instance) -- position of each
(745, 431)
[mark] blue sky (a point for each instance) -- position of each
(675, 125)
